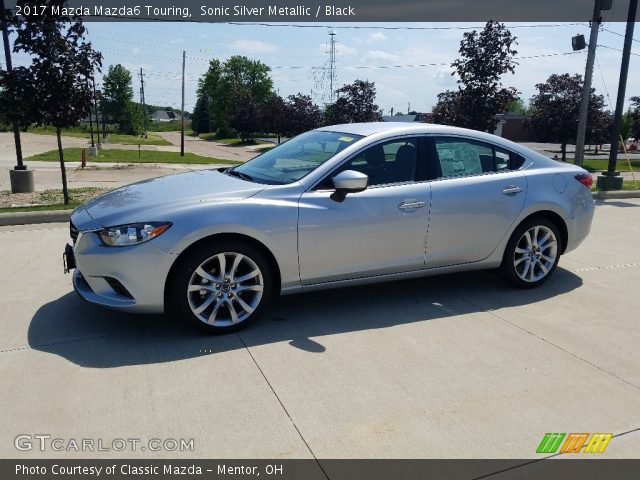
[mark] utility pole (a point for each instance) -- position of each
(95, 106)
(184, 56)
(611, 180)
(332, 63)
(93, 145)
(21, 178)
(586, 87)
(144, 108)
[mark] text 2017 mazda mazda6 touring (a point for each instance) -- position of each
(340, 205)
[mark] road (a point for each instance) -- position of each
(458, 366)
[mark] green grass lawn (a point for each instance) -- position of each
(130, 156)
(600, 165)
(169, 126)
(266, 148)
(81, 132)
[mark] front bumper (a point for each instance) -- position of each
(124, 278)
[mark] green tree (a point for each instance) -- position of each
(554, 116)
(635, 118)
(245, 116)
(55, 89)
(355, 103)
(224, 84)
(301, 115)
(200, 118)
(484, 58)
(132, 122)
(517, 105)
(274, 116)
(117, 101)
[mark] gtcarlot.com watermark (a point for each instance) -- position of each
(48, 443)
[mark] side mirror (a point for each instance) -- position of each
(346, 182)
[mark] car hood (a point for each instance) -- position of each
(157, 198)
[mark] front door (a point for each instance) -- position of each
(378, 231)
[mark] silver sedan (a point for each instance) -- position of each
(340, 205)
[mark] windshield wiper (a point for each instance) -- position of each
(233, 172)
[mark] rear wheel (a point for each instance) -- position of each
(532, 253)
(221, 287)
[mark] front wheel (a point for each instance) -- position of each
(221, 287)
(532, 253)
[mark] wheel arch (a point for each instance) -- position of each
(239, 237)
(557, 220)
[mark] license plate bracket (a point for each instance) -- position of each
(68, 259)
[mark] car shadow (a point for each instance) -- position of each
(95, 337)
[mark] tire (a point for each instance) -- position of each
(532, 254)
(216, 303)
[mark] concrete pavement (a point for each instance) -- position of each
(459, 366)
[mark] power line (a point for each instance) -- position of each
(617, 50)
(386, 27)
(619, 34)
(410, 65)
(604, 84)
(314, 25)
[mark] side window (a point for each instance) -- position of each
(391, 162)
(458, 156)
(463, 157)
(515, 161)
(502, 159)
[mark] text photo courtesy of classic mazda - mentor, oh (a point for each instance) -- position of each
(337, 206)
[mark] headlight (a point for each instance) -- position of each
(133, 234)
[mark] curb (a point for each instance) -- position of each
(26, 218)
(63, 216)
(603, 194)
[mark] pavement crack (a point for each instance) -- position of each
(493, 313)
(60, 342)
(282, 405)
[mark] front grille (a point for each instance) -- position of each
(73, 231)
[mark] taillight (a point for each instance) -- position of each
(585, 179)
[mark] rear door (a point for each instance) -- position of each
(476, 195)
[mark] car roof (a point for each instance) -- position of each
(370, 128)
(373, 128)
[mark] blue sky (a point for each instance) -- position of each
(293, 53)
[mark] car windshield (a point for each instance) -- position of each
(295, 158)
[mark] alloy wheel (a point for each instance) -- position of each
(225, 289)
(535, 253)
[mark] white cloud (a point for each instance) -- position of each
(376, 37)
(443, 77)
(345, 50)
(379, 56)
(253, 47)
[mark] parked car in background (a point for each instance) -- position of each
(337, 206)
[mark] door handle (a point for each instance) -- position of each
(511, 190)
(408, 205)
